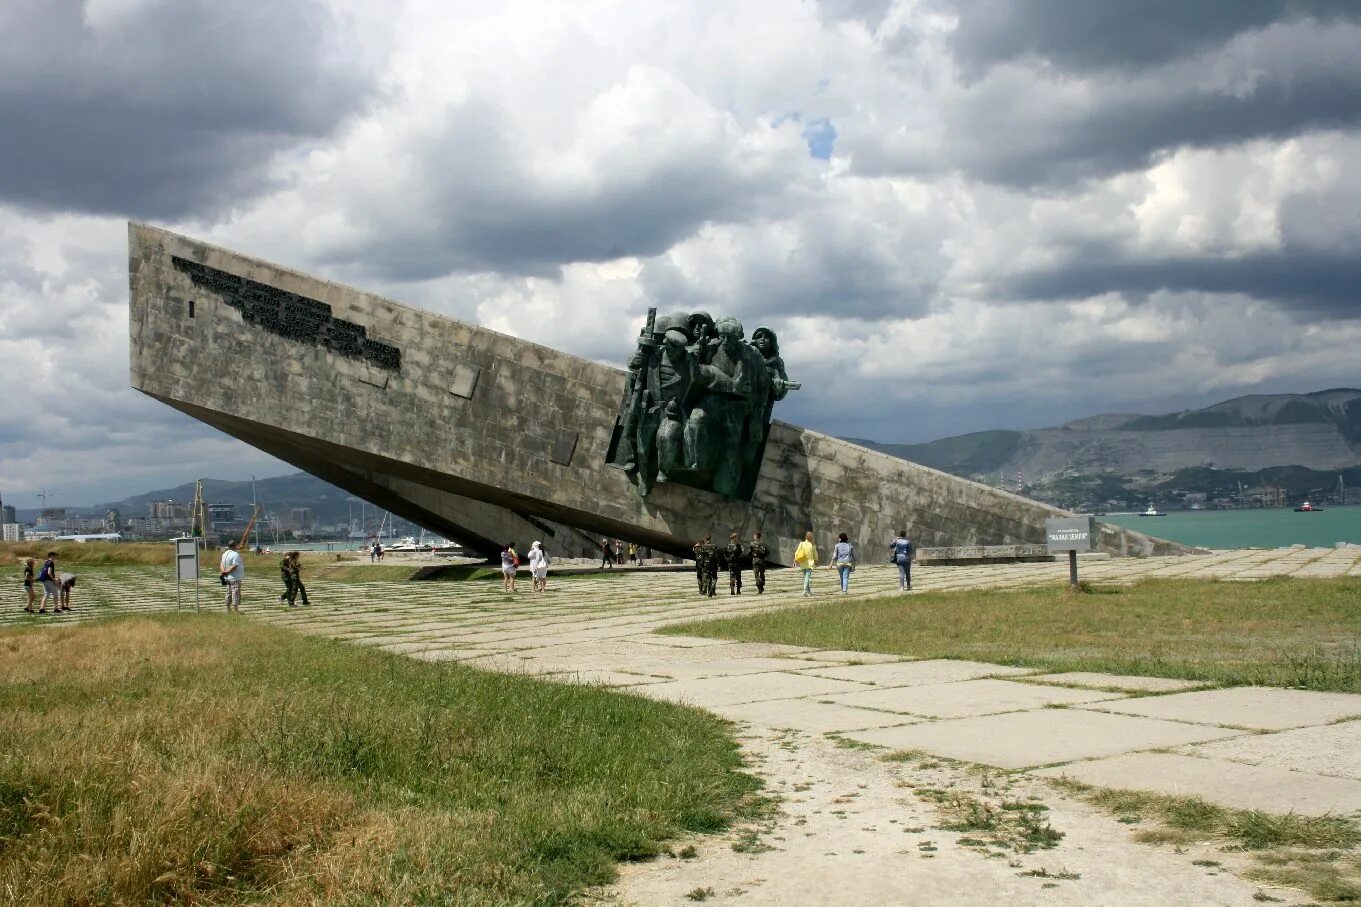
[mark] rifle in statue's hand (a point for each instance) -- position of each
(638, 388)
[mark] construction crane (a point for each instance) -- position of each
(256, 511)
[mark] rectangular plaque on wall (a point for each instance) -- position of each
(563, 448)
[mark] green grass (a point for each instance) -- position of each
(1284, 632)
(213, 760)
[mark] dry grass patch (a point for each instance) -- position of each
(211, 760)
(1320, 855)
(1287, 632)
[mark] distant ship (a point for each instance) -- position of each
(1306, 507)
(1151, 511)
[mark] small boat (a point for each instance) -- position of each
(1306, 507)
(1151, 511)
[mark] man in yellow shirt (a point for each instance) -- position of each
(806, 558)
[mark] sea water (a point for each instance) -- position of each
(1273, 528)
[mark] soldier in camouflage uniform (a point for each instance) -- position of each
(286, 574)
(713, 571)
(732, 556)
(298, 587)
(706, 557)
(759, 552)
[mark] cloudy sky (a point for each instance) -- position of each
(957, 214)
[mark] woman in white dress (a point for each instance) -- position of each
(538, 566)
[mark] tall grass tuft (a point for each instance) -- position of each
(207, 760)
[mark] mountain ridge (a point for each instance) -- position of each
(1317, 430)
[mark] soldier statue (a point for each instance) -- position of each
(697, 404)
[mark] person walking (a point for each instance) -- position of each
(28, 586)
(633, 554)
(291, 567)
(298, 587)
(68, 582)
(51, 584)
(706, 565)
(538, 567)
(732, 556)
(698, 549)
(843, 559)
(286, 574)
(510, 565)
(606, 554)
(900, 553)
(806, 558)
(232, 572)
(759, 551)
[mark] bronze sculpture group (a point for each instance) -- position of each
(697, 404)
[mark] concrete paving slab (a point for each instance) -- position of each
(1040, 737)
(1094, 680)
(914, 673)
(678, 642)
(1333, 749)
(727, 666)
(1255, 707)
(716, 691)
(963, 698)
(847, 657)
(603, 678)
(448, 654)
(1234, 784)
(810, 715)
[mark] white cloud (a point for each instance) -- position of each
(1013, 227)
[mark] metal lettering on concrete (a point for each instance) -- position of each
(290, 315)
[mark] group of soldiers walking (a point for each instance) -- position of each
(709, 558)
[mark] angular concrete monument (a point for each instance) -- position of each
(490, 439)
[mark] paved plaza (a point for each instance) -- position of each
(1276, 750)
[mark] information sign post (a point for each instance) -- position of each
(186, 567)
(1071, 534)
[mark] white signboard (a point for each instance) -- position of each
(186, 559)
(1069, 534)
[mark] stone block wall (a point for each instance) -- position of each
(480, 415)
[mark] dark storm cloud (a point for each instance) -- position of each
(870, 12)
(1308, 282)
(1130, 132)
(1029, 124)
(1099, 34)
(482, 205)
(165, 109)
